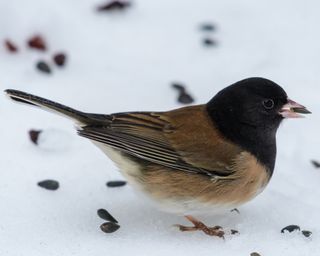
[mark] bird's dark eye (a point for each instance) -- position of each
(268, 104)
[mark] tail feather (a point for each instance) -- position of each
(78, 116)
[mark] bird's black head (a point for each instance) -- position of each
(253, 102)
(249, 113)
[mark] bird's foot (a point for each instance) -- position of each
(198, 225)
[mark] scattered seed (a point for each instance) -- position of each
(43, 67)
(209, 42)
(105, 215)
(116, 183)
(179, 87)
(114, 5)
(306, 233)
(59, 59)
(49, 184)
(183, 97)
(235, 210)
(315, 163)
(207, 27)
(10, 46)
(290, 228)
(34, 136)
(109, 227)
(37, 42)
(255, 254)
(234, 232)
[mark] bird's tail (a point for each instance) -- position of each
(80, 117)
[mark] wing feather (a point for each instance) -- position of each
(143, 135)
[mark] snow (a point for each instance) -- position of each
(126, 61)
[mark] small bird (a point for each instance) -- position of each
(194, 159)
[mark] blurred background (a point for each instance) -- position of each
(100, 56)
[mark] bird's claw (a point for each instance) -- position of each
(198, 225)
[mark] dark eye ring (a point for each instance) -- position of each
(268, 104)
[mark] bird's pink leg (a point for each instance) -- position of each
(198, 225)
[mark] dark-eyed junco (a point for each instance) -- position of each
(193, 159)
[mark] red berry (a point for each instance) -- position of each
(60, 59)
(10, 46)
(37, 42)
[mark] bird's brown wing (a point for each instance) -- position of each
(183, 139)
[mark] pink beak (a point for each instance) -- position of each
(293, 110)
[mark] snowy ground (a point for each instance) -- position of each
(126, 61)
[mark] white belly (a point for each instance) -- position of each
(132, 172)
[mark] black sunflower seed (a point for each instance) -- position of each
(306, 233)
(179, 87)
(49, 184)
(290, 228)
(315, 163)
(209, 42)
(105, 215)
(114, 5)
(255, 254)
(234, 232)
(235, 210)
(207, 27)
(183, 97)
(116, 183)
(34, 136)
(109, 227)
(43, 67)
